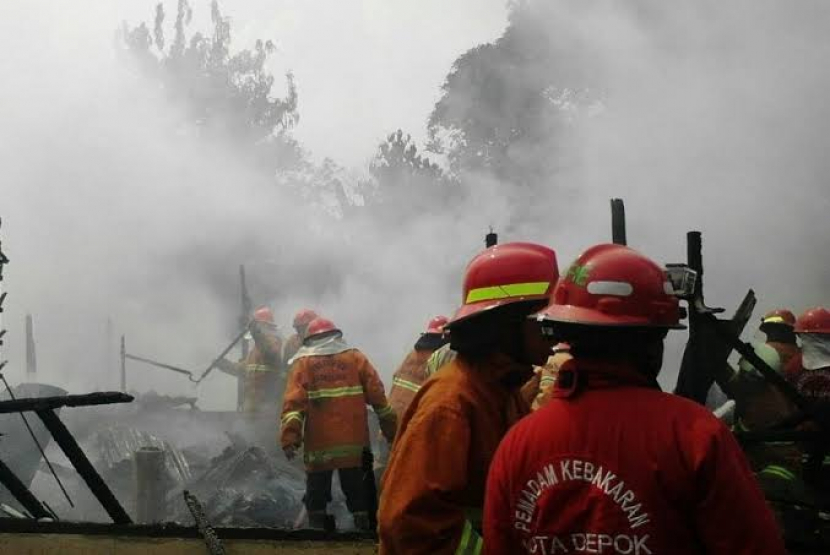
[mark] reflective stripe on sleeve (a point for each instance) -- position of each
(258, 368)
(507, 291)
(406, 384)
(778, 472)
(471, 542)
(336, 392)
(384, 412)
(293, 415)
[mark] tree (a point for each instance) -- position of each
(506, 105)
(224, 96)
(404, 179)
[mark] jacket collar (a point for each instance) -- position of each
(497, 367)
(577, 375)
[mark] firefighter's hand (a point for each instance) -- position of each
(290, 452)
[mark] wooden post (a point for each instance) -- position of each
(149, 485)
(123, 366)
(31, 353)
(618, 230)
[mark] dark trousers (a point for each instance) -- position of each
(318, 490)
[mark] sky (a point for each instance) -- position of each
(716, 119)
(363, 68)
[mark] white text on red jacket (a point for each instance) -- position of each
(598, 541)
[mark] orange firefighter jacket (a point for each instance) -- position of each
(408, 379)
(260, 373)
(433, 489)
(324, 409)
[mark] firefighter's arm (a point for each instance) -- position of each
(547, 377)
(530, 389)
(376, 397)
(228, 367)
(498, 533)
(422, 509)
(726, 482)
(294, 408)
(269, 345)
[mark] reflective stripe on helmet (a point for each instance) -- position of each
(507, 291)
(774, 320)
(336, 392)
(406, 384)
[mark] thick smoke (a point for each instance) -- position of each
(709, 116)
(112, 210)
(713, 118)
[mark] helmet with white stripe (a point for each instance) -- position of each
(614, 286)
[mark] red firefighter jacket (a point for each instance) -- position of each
(324, 409)
(623, 468)
(812, 384)
(786, 351)
(408, 379)
(433, 488)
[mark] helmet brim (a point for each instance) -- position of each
(568, 314)
(469, 311)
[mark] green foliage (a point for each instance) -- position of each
(406, 180)
(398, 163)
(506, 106)
(224, 95)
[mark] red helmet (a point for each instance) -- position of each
(304, 318)
(319, 326)
(613, 285)
(780, 316)
(815, 320)
(264, 314)
(506, 274)
(436, 325)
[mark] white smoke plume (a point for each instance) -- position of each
(713, 118)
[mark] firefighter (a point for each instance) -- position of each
(440, 358)
(809, 490)
(411, 374)
(612, 464)
(262, 374)
(778, 326)
(301, 321)
(539, 390)
(758, 404)
(433, 488)
(809, 371)
(324, 412)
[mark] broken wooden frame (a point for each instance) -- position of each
(45, 408)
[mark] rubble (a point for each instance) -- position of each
(244, 486)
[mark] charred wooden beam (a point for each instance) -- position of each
(51, 403)
(20, 492)
(123, 365)
(66, 441)
(618, 230)
(31, 351)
